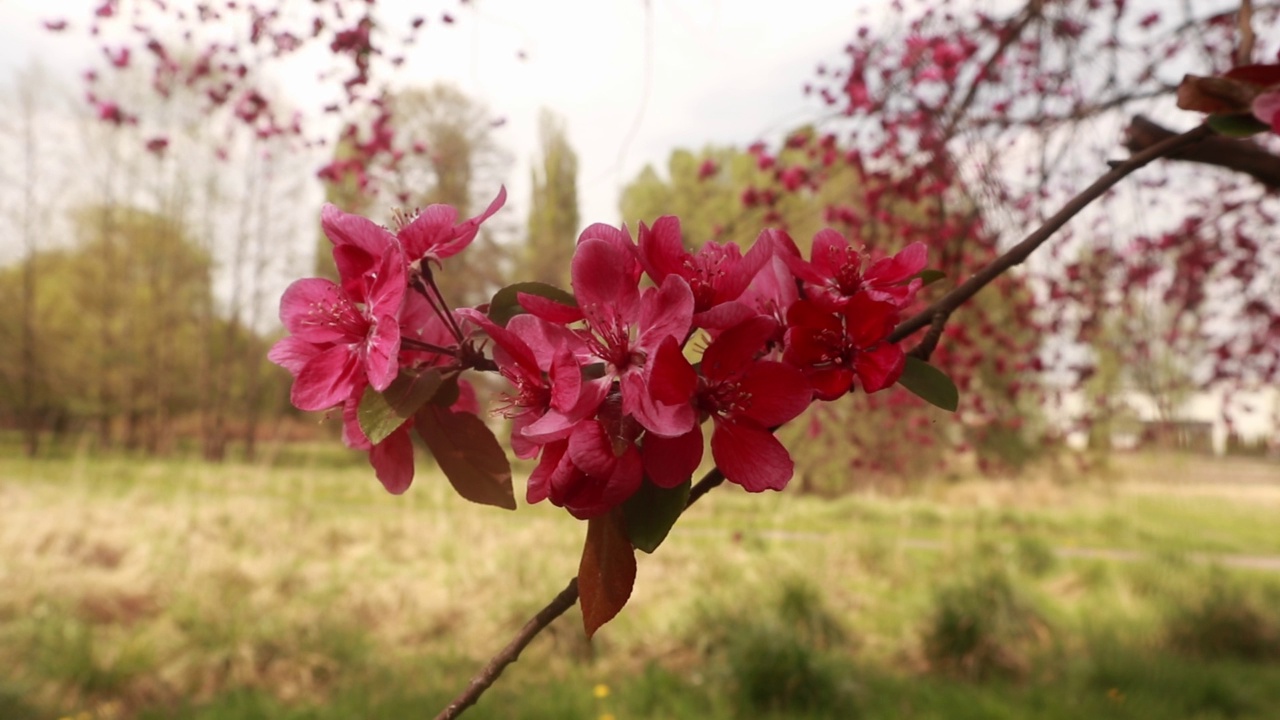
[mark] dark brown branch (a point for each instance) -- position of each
(486, 677)
(1240, 155)
(930, 342)
(554, 609)
(935, 315)
(1020, 252)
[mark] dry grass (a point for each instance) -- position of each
(129, 584)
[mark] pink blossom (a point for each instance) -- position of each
(352, 329)
(434, 235)
(717, 275)
(625, 329)
(835, 272)
(745, 397)
(584, 475)
(541, 360)
(834, 347)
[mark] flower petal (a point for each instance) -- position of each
(591, 449)
(868, 321)
(729, 355)
(739, 274)
(327, 380)
(429, 232)
(830, 383)
(672, 380)
(539, 483)
(348, 229)
(382, 354)
(666, 311)
(601, 282)
(293, 353)
(879, 367)
(774, 393)
(670, 461)
(566, 381)
(316, 310)
(352, 435)
(724, 315)
(638, 402)
(830, 252)
(661, 249)
(465, 233)
(513, 346)
(751, 456)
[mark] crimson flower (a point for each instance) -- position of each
(392, 459)
(584, 474)
(342, 336)
(625, 329)
(434, 235)
(834, 347)
(835, 273)
(717, 275)
(744, 397)
(541, 360)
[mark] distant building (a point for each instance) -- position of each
(1208, 422)
(1184, 435)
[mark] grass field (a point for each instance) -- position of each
(153, 589)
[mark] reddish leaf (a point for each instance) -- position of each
(468, 454)
(607, 572)
(1215, 94)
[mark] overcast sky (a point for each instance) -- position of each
(633, 80)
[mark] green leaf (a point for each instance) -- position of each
(930, 383)
(651, 511)
(468, 454)
(506, 302)
(380, 413)
(1237, 126)
(607, 572)
(928, 277)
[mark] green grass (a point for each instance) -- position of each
(173, 589)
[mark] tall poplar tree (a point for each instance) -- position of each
(553, 212)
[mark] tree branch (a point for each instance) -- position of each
(1243, 156)
(1020, 252)
(1244, 24)
(509, 654)
(935, 315)
(539, 622)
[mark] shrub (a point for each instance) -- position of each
(981, 628)
(1224, 622)
(784, 656)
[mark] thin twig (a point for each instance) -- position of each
(935, 315)
(481, 682)
(554, 609)
(930, 341)
(1020, 252)
(1244, 22)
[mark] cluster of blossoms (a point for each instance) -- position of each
(613, 384)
